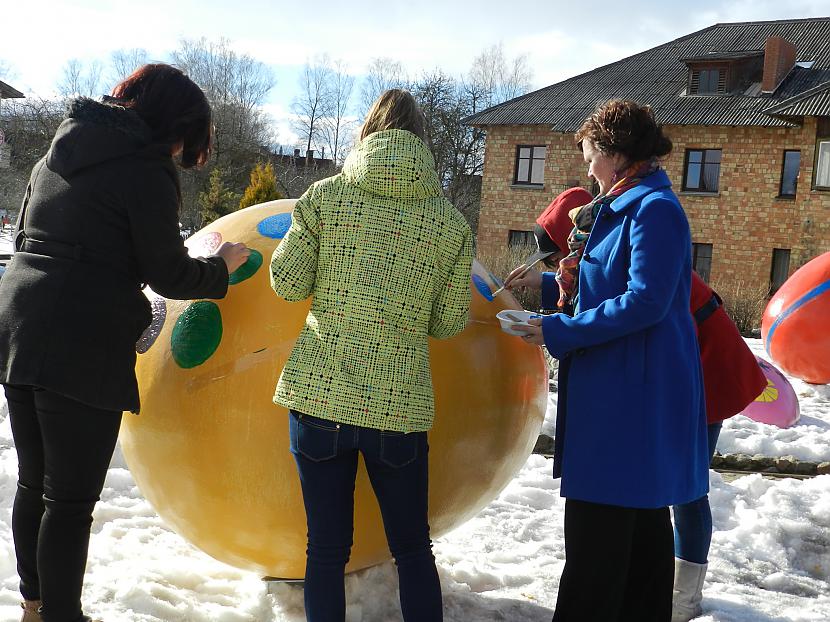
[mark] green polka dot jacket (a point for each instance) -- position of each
(387, 260)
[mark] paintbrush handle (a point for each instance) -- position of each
(521, 274)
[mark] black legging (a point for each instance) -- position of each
(64, 449)
(619, 564)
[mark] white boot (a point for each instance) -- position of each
(688, 590)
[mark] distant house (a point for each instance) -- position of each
(296, 172)
(6, 92)
(9, 92)
(309, 160)
(747, 106)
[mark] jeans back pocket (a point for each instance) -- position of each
(398, 449)
(312, 437)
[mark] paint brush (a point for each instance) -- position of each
(528, 264)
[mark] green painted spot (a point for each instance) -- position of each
(247, 269)
(197, 334)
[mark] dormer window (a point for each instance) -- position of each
(723, 73)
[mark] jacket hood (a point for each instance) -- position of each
(95, 132)
(393, 163)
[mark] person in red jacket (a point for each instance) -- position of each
(731, 376)
(551, 231)
(732, 380)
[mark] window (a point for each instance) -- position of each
(709, 81)
(521, 238)
(702, 260)
(823, 165)
(702, 170)
(780, 268)
(530, 165)
(789, 174)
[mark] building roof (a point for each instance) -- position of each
(659, 77)
(716, 55)
(813, 102)
(9, 92)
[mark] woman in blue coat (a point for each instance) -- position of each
(631, 437)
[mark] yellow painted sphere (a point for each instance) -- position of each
(210, 449)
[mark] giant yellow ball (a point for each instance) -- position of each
(209, 449)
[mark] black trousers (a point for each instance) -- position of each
(619, 564)
(64, 449)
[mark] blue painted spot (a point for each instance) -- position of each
(482, 287)
(811, 295)
(275, 226)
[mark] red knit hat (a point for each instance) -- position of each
(554, 225)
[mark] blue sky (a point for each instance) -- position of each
(560, 38)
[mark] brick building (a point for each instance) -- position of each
(747, 106)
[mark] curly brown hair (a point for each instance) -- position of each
(622, 126)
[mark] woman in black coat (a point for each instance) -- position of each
(99, 221)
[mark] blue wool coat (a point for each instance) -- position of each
(636, 421)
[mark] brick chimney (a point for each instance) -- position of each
(779, 58)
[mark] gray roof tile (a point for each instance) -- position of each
(658, 77)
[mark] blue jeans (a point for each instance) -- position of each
(326, 454)
(693, 520)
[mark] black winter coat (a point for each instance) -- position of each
(100, 219)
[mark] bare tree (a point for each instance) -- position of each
(496, 78)
(92, 81)
(236, 86)
(336, 128)
(295, 175)
(226, 76)
(309, 106)
(437, 95)
(517, 78)
(79, 79)
(29, 125)
(124, 62)
(70, 83)
(446, 102)
(383, 74)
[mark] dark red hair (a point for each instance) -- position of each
(173, 106)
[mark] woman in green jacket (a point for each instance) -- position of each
(387, 261)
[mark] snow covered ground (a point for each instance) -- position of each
(6, 239)
(770, 559)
